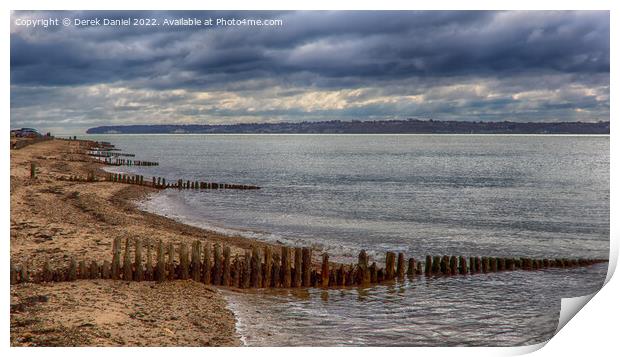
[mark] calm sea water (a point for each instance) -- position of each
(537, 196)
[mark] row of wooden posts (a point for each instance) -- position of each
(108, 153)
(90, 177)
(124, 162)
(159, 182)
(268, 268)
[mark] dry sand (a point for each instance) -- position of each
(55, 220)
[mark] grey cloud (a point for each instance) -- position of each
(385, 53)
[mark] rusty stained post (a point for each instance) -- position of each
(364, 275)
(255, 274)
(268, 267)
(206, 264)
(390, 258)
(247, 270)
(298, 264)
(411, 267)
(306, 267)
(400, 267)
(325, 271)
(286, 267)
(226, 267)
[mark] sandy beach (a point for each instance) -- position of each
(55, 220)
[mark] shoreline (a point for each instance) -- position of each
(53, 220)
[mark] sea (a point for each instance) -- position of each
(540, 196)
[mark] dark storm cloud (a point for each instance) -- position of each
(385, 53)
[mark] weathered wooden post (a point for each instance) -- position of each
(236, 272)
(105, 270)
(82, 272)
(160, 274)
(116, 258)
(510, 264)
(462, 265)
(206, 264)
(286, 267)
(373, 273)
(483, 264)
(445, 264)
(226, 268)
(184, 261)
(13, 274)
(298, 264)
(255, 277)
(325, 271)
(171, 270)
(411, 267)
(390, 258)
(195, 265)
(268, 267)
(94, 270)
(24, 275)
(217, 265)
(127, 271)
(306, 266)
(46, 274)
(501, 264)
(276, 282)
(454, 265)
(364, 277)
(72, 274)
(247, 270)
(436, 269)
(428, 264)
(493, 262)
(339, 276)
(139, 269)
(478, 262)
(33, 170)
(400, 267)
(149, 261)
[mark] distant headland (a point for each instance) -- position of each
(408, 126)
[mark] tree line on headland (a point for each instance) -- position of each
(409, 126)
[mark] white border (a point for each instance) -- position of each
(593, 329)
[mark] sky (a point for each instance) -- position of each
(316, 65)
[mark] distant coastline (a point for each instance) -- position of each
(408, 126)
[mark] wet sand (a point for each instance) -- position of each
(55, 220)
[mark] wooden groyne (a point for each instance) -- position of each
(124, 162)
(161, 183)
(108, 153)
(156, 182)
(287, 267)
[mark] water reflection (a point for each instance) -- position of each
(504, 309)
